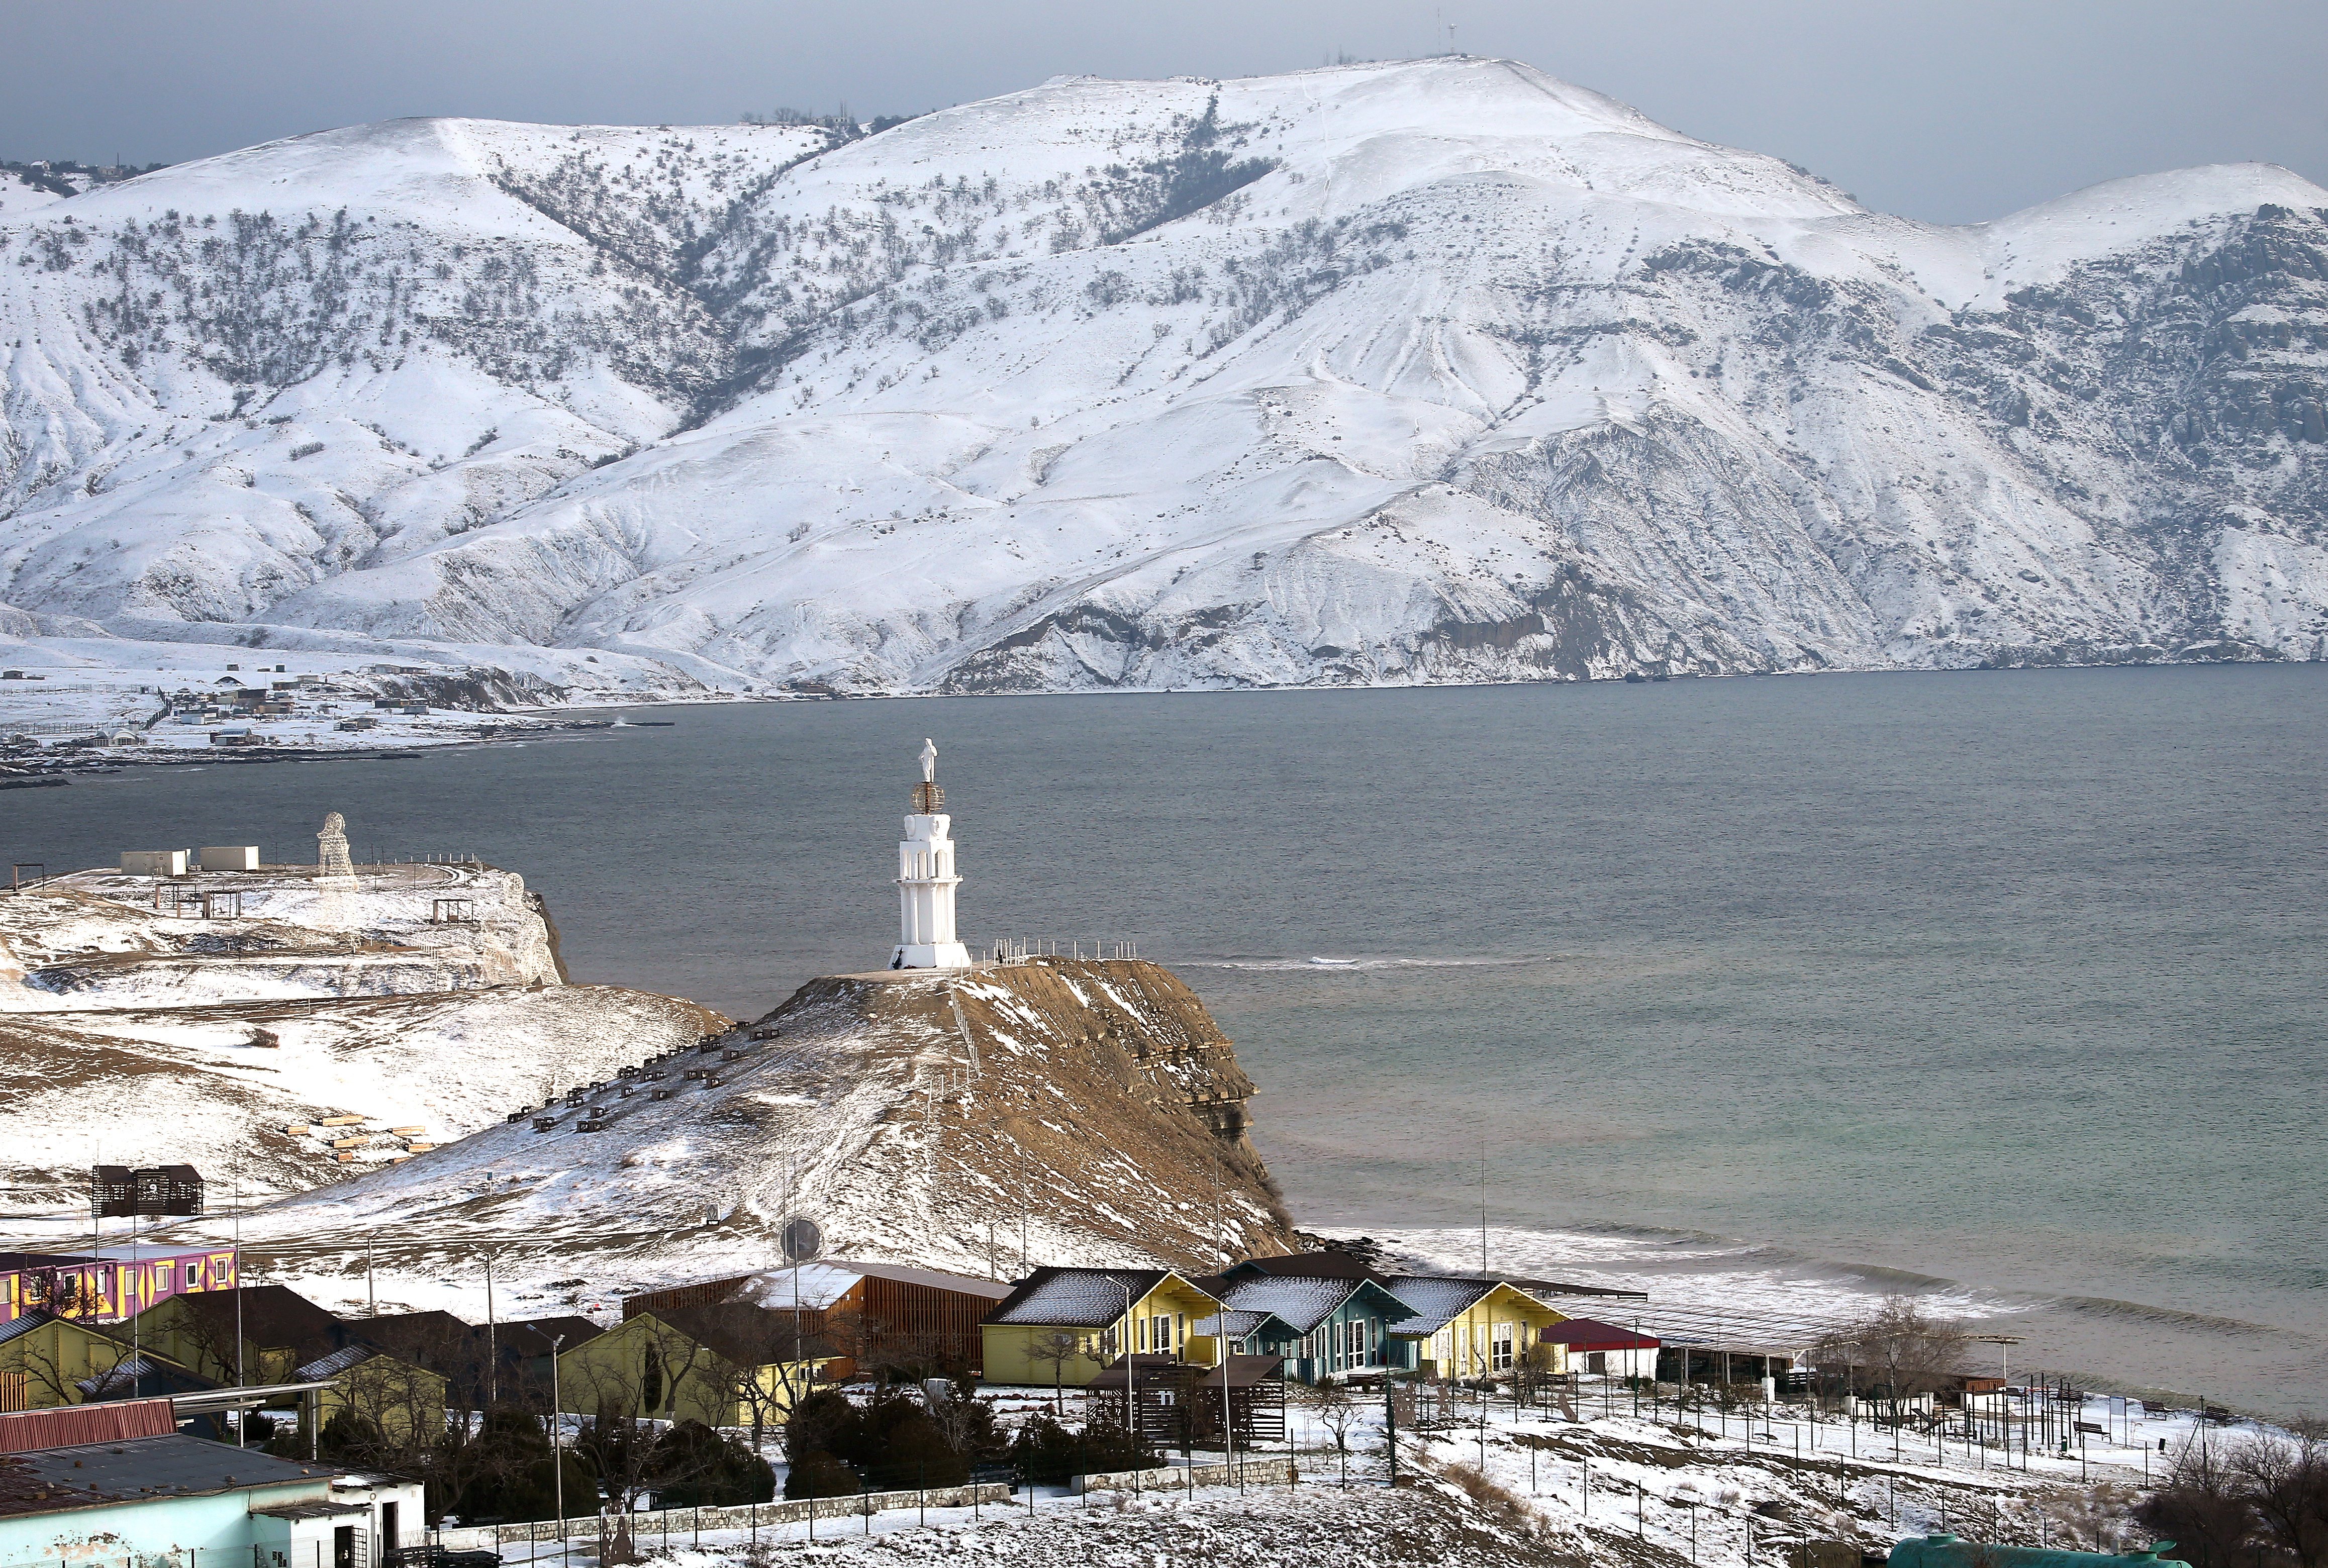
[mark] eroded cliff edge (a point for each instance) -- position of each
(976, 1121)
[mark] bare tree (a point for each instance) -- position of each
(1902, 1351)
(1333, 1406)
(1058, 1347)
(2284, 1481)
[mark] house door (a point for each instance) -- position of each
(389, 1538)
(343, 1547)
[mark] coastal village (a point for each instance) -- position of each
(966, 1253)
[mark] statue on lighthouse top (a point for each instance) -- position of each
(926, 880)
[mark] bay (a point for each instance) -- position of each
(2009, 980)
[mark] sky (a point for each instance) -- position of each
(1949, 112)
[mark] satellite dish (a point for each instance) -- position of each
(799, 1240)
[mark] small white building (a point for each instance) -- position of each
(153, 862)
(163, 1497)
(228, 857)
(926, 880)
(1595, 1347)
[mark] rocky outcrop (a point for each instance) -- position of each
(1038, 1112)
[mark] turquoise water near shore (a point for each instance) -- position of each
(2010, 979)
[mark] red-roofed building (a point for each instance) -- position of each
(1594, 1346)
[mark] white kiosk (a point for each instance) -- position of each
(926, 880)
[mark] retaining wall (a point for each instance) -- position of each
(1273, 1472)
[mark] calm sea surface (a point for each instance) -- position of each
(2010, 979)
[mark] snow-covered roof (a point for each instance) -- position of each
(826, 1281)
(1234, 1325)
(1435, 1298)
(1076, 1298)
(1303, 1302)
(337, 1362)
(816, 1285)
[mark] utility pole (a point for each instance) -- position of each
(558, 1443)
(493, 1342)
(242, 1417)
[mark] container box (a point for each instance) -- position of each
(153, 862)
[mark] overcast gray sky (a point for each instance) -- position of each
(1953, 110)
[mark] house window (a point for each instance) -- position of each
(1161, 1338)
(1499, 1356)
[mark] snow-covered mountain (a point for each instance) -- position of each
(1434, 370)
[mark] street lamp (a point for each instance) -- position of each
(557, 1448)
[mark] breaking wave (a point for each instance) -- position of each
(1324, 964)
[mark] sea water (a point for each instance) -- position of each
(1776, 992)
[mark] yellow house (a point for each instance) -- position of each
(729, 1364)
(1060, 1326)
(399, 1399)
(45, 1360)
(1476, 1327)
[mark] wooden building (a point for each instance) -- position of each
(1175, 1405)
(1341, 1322)
(880, 1316)
(727, 1363)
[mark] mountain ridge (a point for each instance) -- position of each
(1435, 371)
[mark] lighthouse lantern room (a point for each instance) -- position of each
(926, 880)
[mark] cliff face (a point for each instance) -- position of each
(1044, 1112)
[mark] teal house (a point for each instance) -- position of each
(1329, 1319)
(163, 1499)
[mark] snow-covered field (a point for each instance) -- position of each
(1607, 1485)
(289, 1033)
(93, 700)
(1382, 373)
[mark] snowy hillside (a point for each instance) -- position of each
(1433, 370)
(412, 1009)
(1038, 1112)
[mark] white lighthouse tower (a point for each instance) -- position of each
(926, 880)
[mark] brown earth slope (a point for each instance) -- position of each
(1044, 1112)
